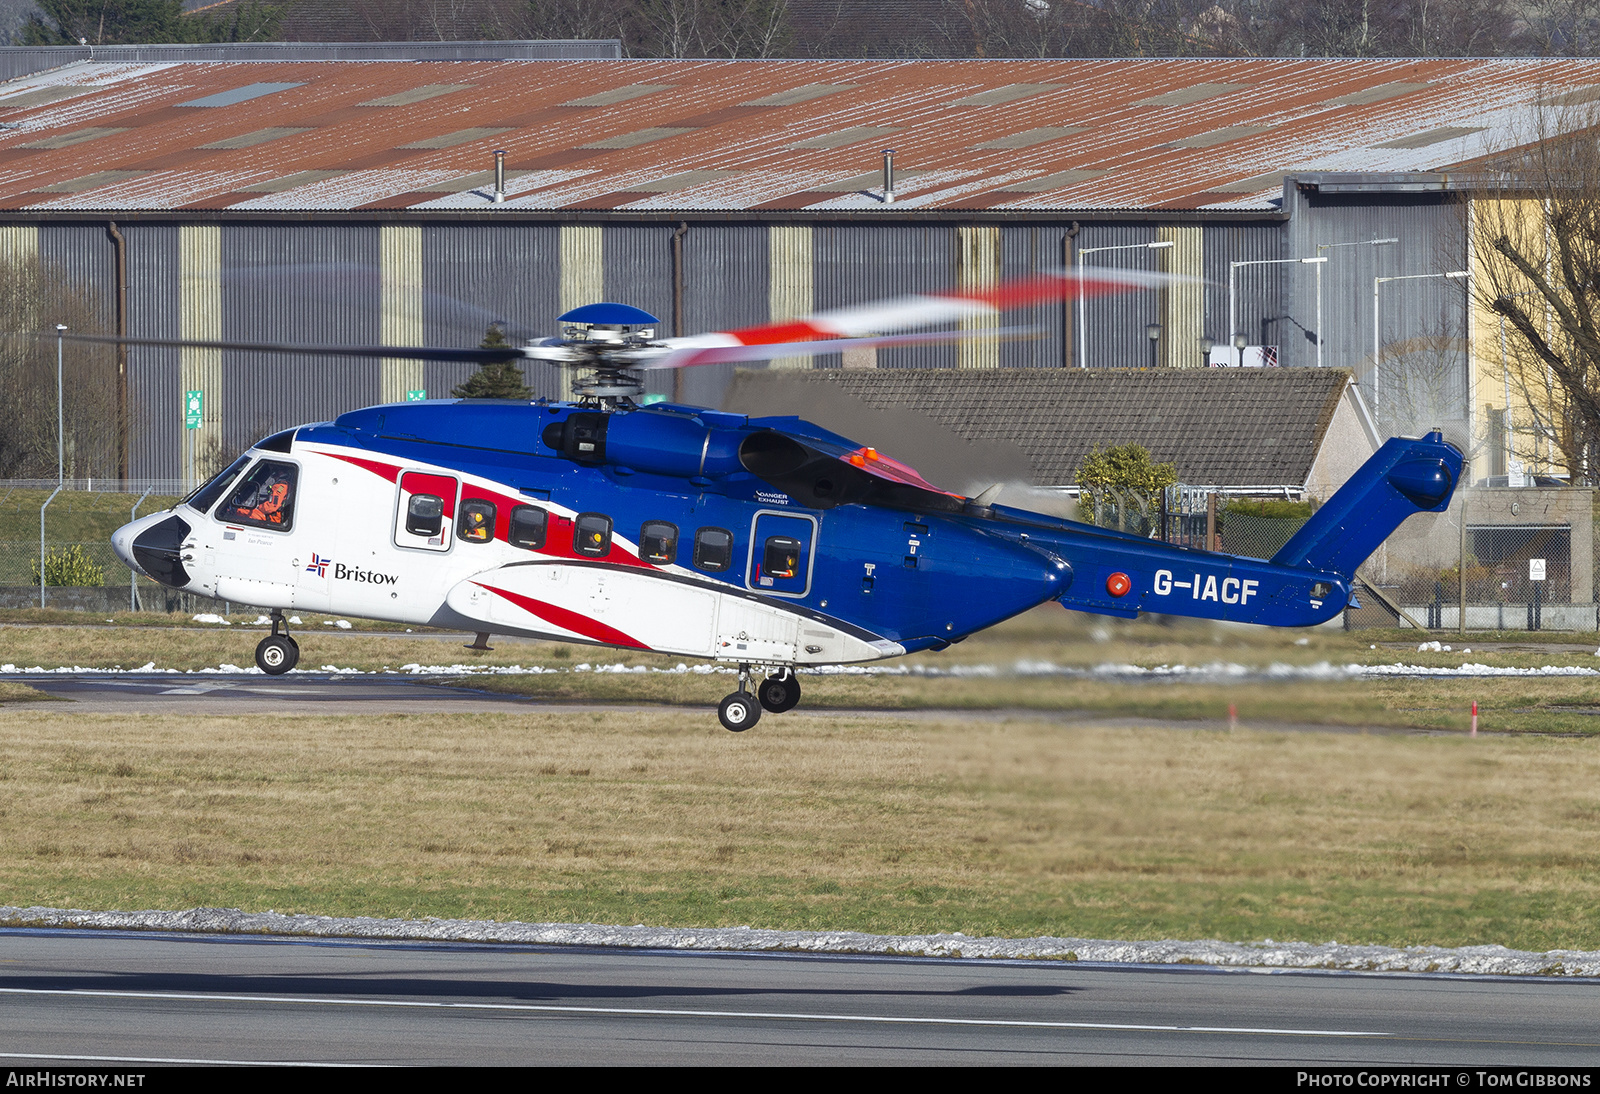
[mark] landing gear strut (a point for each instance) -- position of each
(739, 711)
(780, 691)
(277, 653)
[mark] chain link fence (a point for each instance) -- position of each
(73, 522)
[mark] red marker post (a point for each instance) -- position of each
(1233, 717)
(1474, 732)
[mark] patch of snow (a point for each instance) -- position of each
(211, 617)
(1483, 960)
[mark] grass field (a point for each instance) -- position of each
(983, 818)
(870, 822)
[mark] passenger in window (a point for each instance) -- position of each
(477, 528)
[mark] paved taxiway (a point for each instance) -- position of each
(333, 693)
(80, 996)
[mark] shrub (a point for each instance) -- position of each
(69, 566)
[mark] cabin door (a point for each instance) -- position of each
(783, 547)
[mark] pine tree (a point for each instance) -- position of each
(495, 379)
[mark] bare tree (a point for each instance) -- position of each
(1535, 228)
(34, 297)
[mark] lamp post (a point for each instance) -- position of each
(1083, 340)
(1323, 247)
(1456, 275)
(1152, 331)
(61, 419)
(1239, 341)
(1206, 344)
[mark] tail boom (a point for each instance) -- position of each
(1306, 583)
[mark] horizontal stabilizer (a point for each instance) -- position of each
(1403, 477)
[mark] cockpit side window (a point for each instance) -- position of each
(205, 497)
(265, 497)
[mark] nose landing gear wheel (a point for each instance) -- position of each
(738, 712)
(277, 654)
(780, 691)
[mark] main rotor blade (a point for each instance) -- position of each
(923, 310)
(685, 356)
(405, 353)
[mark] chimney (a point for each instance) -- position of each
(499, 175)
(888, 175)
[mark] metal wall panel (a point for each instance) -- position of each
(86, 254)
(727, 273)
(1113, 332)
(1261, 315)
(1423, 335)
(639, 272)
(475, 275)
(1026, 249)
(859, 263)
(155, 407)
(316, 284)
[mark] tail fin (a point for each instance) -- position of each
(1403, 477)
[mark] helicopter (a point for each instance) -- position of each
(766, 543)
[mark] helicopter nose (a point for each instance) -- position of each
(154, 547)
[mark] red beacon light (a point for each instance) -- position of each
(1118, 584)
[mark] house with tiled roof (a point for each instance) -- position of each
(1289, 432)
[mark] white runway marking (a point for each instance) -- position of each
(650, 1012)
(169, 1060)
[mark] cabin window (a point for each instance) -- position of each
(528, 524)
(425, 515)
(265, 498)
(781, 557)
(591, 535)
(713, 549)
(658, 542)
(477, 521)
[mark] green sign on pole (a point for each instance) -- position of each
(416, 396)
(194, 403)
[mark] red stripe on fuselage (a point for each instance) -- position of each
(568, 620)
(384, 470)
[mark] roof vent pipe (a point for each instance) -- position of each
(499, 175)
(888, 175)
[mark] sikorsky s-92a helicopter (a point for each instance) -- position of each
(763, 542)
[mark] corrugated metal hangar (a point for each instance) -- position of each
(345, 201)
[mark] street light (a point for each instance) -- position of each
(1083, 340)
(1233, 322)
(1152, 331)
(61, 421)
(1457, 275)
(1323, 247)
(1206, 344)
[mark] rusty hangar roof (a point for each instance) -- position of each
(681, 136)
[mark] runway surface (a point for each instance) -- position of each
(81, 996)
(248, 693)
(333, 693)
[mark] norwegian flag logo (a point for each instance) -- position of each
(319, 564)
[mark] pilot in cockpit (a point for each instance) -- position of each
(270, 509)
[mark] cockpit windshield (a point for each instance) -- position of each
(208, 493)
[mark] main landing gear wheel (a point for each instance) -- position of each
(780, 691)
(277, 654)
(739, 711)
